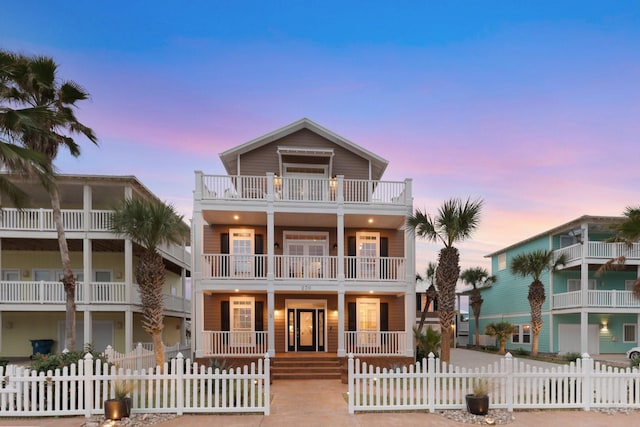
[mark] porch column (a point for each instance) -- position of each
(87, 270)
(88, 331)
(128, 270)
(197, 252)
(584, 315)
(638, 320)
(341, 316)
(410, 272)
(340, 242)
(271, 328)
(270, 241)
(584, 332)
(196, 323)
(128, 330)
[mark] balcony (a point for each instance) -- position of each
(42, 220)
(596, 299)
(291, 268)
(601, 250)
(107, 293)
(290, 189)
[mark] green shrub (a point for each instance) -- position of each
(572, 356)
(635, 363)
(46, 362)
(521, 352)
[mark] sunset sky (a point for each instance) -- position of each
(532, 106)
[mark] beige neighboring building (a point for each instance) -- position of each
(32, 298)
(300, 249)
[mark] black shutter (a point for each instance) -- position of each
(384, 253)
(258, 249)
(259, 321)
(384, 322)
(352, 316)
(351, 263)
(224, 320)
(224, 249)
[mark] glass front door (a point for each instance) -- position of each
(305, 329)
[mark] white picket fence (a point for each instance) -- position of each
(179, 387)
(432, 386)
(143, 356)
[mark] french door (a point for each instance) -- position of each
(306, 329)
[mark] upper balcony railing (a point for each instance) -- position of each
(293, 267)
(41, 292)
(599, 299)
(294, 189)
(42, 220)
(601, 250)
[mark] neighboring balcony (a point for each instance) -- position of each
(289, 267)
(108, 293)
(42, 220)
(289, 189)
(601, 250)
(596, 299)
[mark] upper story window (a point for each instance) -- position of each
(502, 261)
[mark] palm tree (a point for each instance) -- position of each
(534, 264)
(150, 224)
(427, 342)
(628, 232)
(501, 330)
(34, 84)
(455, 221)
(431, 292)
(477, 277)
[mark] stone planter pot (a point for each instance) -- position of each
(116, 409)
(477, 405)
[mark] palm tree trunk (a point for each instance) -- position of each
(68, 279)
(446, 277)
(150, 275)
(536, 299)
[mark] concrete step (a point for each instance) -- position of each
(291, 368)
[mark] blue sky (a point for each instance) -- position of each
(532, 106)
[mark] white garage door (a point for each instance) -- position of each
(569, 339)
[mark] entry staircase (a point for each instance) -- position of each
(305, 367)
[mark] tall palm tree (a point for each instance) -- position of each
(533, 264)
(455, 221)
(477, 277)
(500, 330)
(431, 292)
(34, 83)
(150, 224)
(628, 232)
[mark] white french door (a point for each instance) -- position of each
(306, 254)
(241, 252)
(368, 253)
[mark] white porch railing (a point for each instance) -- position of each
(225, 343)
(376, 343)
(179, 387)
(292, 267)
(42, 219)
(601, 250)
(433, 386)
(295, 189)
(600, 299)
(143, 356)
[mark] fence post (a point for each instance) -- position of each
(179, 361)
(88, 385)
(509, 395)
(350, 379)
(587, 381)
(267, 384)
(139, 356)
(431, 375)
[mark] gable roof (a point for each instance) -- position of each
(591, 219)
(229, 157)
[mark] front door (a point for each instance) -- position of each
(306, 329)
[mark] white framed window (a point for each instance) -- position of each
(306, 252)
(573, 285)
(628, 285)
(11, 275)
(502, 261)
(103, 275)
(368, 253)
(241, 251)
(78, 274)
(368, 320)
(521, 334)
(629, 333)
(241, 319)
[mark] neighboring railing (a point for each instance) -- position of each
(600, 250)
(602, 299)
(108, 292)
(40, 219)
(293, 267)
(362, 343)
(178, 387)
(101, 220)
(225, 343)
(143, 356)
(432, 386)
(296, 189)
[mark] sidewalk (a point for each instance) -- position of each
(316, 403)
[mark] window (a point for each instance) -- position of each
(521, 334)
(628, 285)
(241, 320)
(241, 251)
(502, 261)
(573, 285)
(629, 332)
(368, 320)
(368, 251)
(12, 275)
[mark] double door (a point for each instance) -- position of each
(305, 329)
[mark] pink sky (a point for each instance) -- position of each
(532, 107)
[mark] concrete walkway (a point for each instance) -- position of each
(321, 403)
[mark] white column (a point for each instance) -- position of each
(87, 202)
(128, 330)
(270, 241)
(584, 315)
(87, 248)
(88, 330)
(341, 317)
(128, 269)
(340, 248)
(271, 328)
(410, 292)
(197, 323)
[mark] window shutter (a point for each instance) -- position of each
(351, 251)
(258, 244)
(224, 249)
(352, 316)
(258, 249)
(384, 253)
(224, 312)
(259, 318)
(384, 316)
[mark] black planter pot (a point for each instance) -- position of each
(116, 409)
(477, 405)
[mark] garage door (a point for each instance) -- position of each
(569, 339)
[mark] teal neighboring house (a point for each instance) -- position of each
(583, 311)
